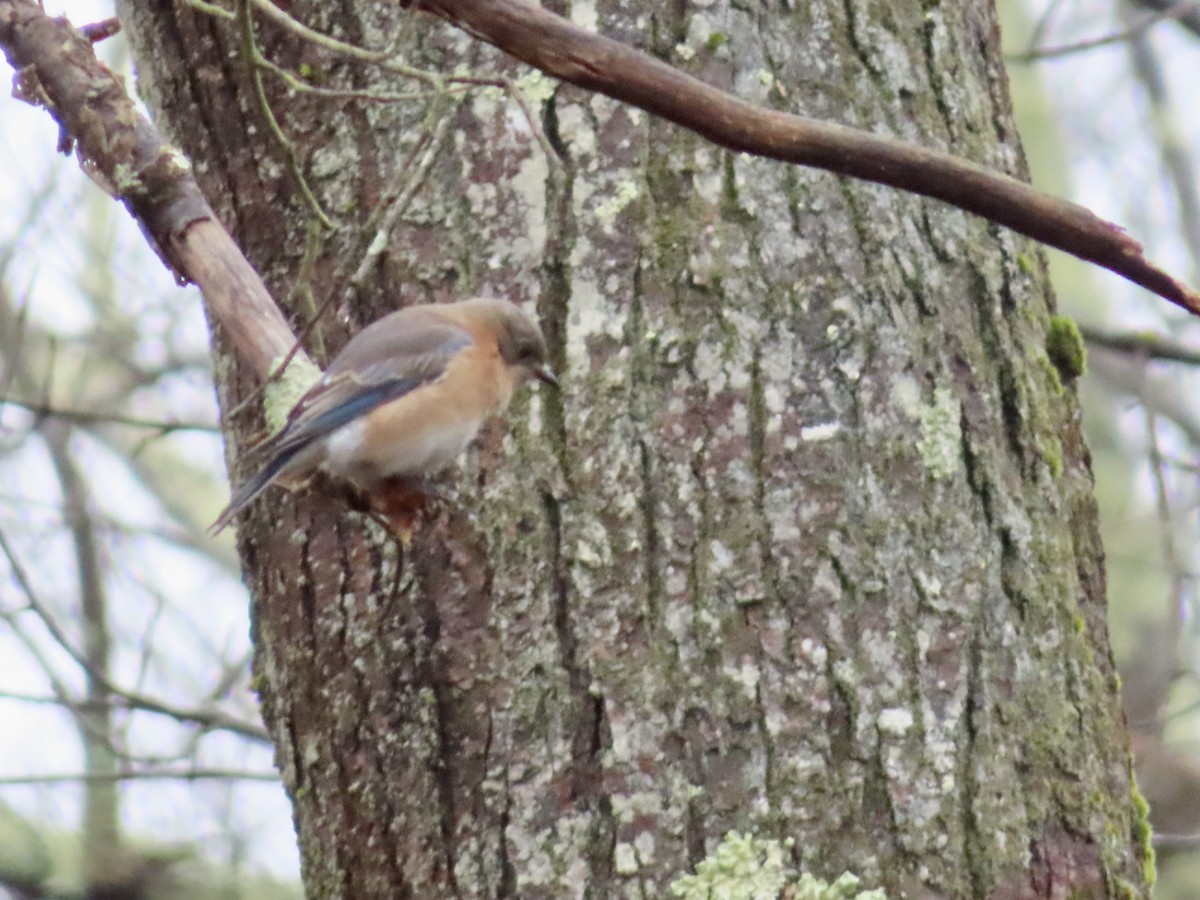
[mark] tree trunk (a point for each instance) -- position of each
(806, 547)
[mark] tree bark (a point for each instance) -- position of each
(805, 548)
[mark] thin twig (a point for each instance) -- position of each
(1140, 344)
(152, 775)
(595, 62)
(300, 86)
(211, 9)
(1137, 29)
(398, 196)
(84, 417)
(1172, 144)
(213, 719)
(253, 57)
(1162, 500)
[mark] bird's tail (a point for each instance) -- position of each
(250, 489)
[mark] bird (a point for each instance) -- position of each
(403, 398)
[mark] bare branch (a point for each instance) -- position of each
(1140, 344)
(556, 46)
(144, 775)
(85, 417)
(207, 718)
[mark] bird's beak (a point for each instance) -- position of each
(545, 376)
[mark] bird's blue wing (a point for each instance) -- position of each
(352, 401)
(379, 365)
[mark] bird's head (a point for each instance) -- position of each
(520, 340)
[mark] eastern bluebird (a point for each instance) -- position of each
(404, 397)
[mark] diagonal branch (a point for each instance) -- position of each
(57, 68)
(1144, 345)
(597, 63)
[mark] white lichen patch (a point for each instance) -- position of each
(746, 676)
(750, 327)
(845, 888)
(125, 178)
(722, 556)
(540, 856)
(775, 401)
(329, 160)
(700, 29)
(709, 363)
(630, 807)
(822, 432)
(1020, 529)
(756, 85)
(850, 366)
(533, 421)
(591, 547)
(930, 584)
(906, 394)
(881, 651)
(814, 653)
(707, 182)
(592, 315)
(1048, 641)
(897, 62)
(523, 195)
(607, 211)
(781, 513)
(584, 14)
(530, 185)
(944, 755)
(895, 721)
(940, 444)
(677, 619)
(311, 751)
(178, 159)
(777, 722)
(604, 108)
(576, 130)
(625, 859)
(845, 673)
(634, 738)
(740, 479)
(644, 844)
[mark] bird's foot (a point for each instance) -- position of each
(401, 501)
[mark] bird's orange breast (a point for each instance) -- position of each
(424, 430)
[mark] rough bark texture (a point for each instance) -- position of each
(807, 545)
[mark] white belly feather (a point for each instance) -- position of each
(423, 451)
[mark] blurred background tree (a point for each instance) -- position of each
(133, 751)
(1105, 99)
